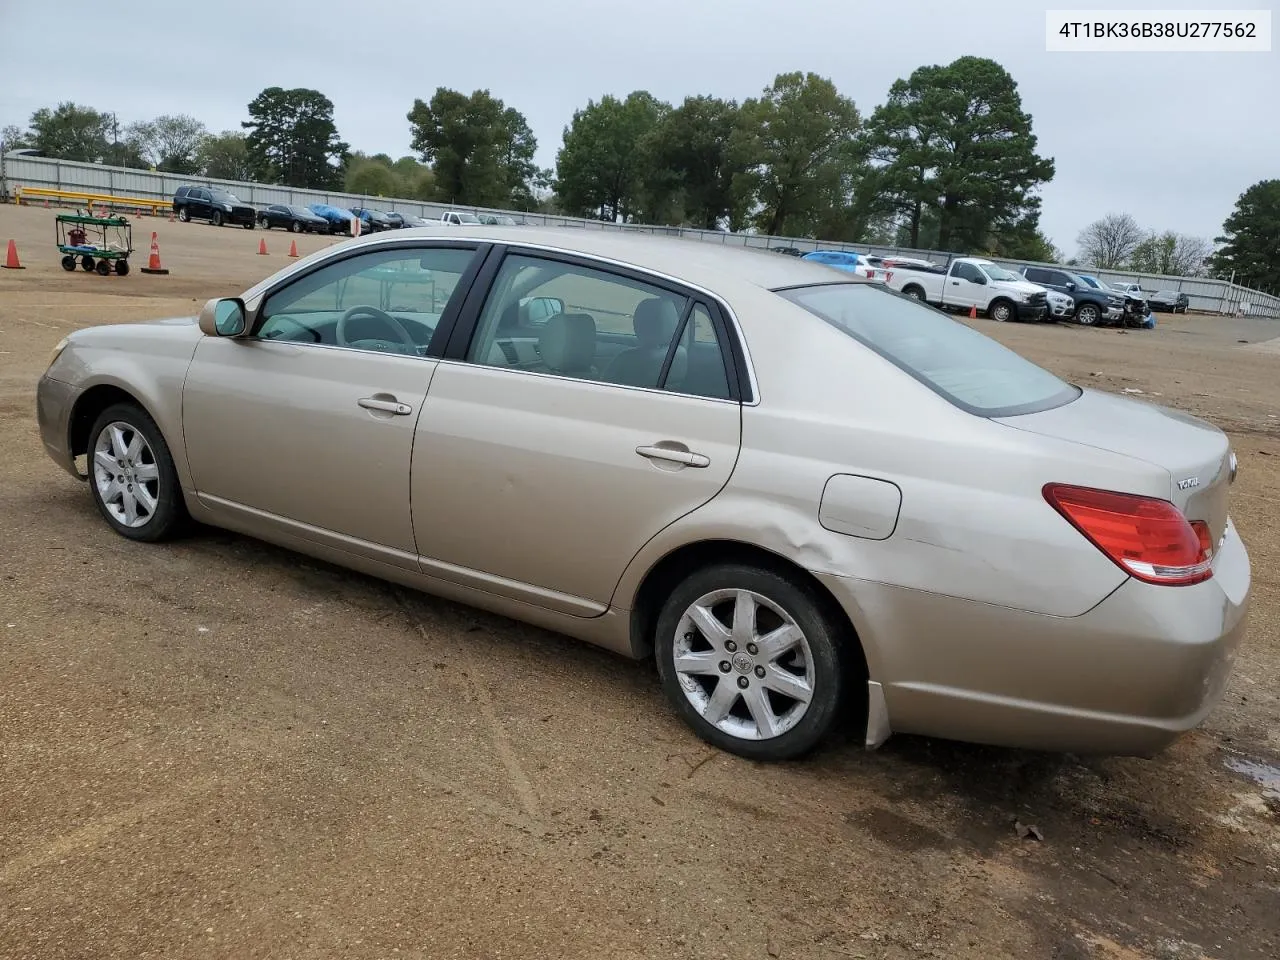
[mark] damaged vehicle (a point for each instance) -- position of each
(818, 505)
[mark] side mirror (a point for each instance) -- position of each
(223, 317)
(541, 309)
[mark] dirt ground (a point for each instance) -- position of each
(219, 749)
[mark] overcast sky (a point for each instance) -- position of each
(1170, 138)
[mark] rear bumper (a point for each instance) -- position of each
(1129, 677)
(54, 403)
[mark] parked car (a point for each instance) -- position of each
(497, 220)
(339, 220)
(1170, 301)
(293, 219)
(372, 221)
(787, 251)
(403, 220)
(1093, 305)
(974, 282)
(1061, 305)
(847, 261)
(796, 490)
(459, 218)
(214, 204)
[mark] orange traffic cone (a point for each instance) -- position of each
(11, 258)
(171, 215)
(153, 262)
(262, 247)
(293, 248)
(973, 313)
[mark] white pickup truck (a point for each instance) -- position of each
(973, 282)
(459, 218)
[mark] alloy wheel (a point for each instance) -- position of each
(744, 664)
(126, 474)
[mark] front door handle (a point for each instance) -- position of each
(686, 457)
(386, 406)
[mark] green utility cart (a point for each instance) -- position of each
(96, 243)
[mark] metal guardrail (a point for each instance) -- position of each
(1205, 294)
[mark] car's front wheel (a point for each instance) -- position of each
(751, 660)
(132, 476)
(1087, 315)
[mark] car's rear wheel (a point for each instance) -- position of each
(1087, 315)
(132, 476)
(184, 214)
(751, 660)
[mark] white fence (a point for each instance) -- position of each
(1215, 296)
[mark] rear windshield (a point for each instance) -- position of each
(971, 370)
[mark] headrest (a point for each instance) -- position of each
(655, 322)
(568, 342)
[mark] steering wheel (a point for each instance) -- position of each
(340, 334)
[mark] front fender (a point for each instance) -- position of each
(152, 376)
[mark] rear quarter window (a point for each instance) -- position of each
(967, 368)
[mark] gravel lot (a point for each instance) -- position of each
(219, 749)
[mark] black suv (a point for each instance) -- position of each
(1092, 305)
(213, 204)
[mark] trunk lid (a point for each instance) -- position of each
(1196, 454)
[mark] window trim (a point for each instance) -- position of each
(738, 376)
(443, 329)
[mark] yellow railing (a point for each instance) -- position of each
(31, 195)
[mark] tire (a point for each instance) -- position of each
(790, 728)
(217, 218)
(151, 469)
(87, 262)
(295, 227)
(915, 293)
(1002, 311)
(103, 267)
(1088, 314)
(122, 268)
(184, 214)
(249, 225)
(264, 223)
(68, 262)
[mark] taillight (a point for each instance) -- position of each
(1148, 538)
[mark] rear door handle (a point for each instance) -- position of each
(386, 406)
(686, 457)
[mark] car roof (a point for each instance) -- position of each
(695, 261)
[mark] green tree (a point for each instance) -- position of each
(293, 140)
(14, 138)
(480, 150)
(1251, 238)
(956, 139)
(224, 156)
(796, 146)
(601, 167)
(169, 143)
(71, 132)
(690, 157)
(1171, 254)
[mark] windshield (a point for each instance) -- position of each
(968, 368)
(997, 273)
(225, 197)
